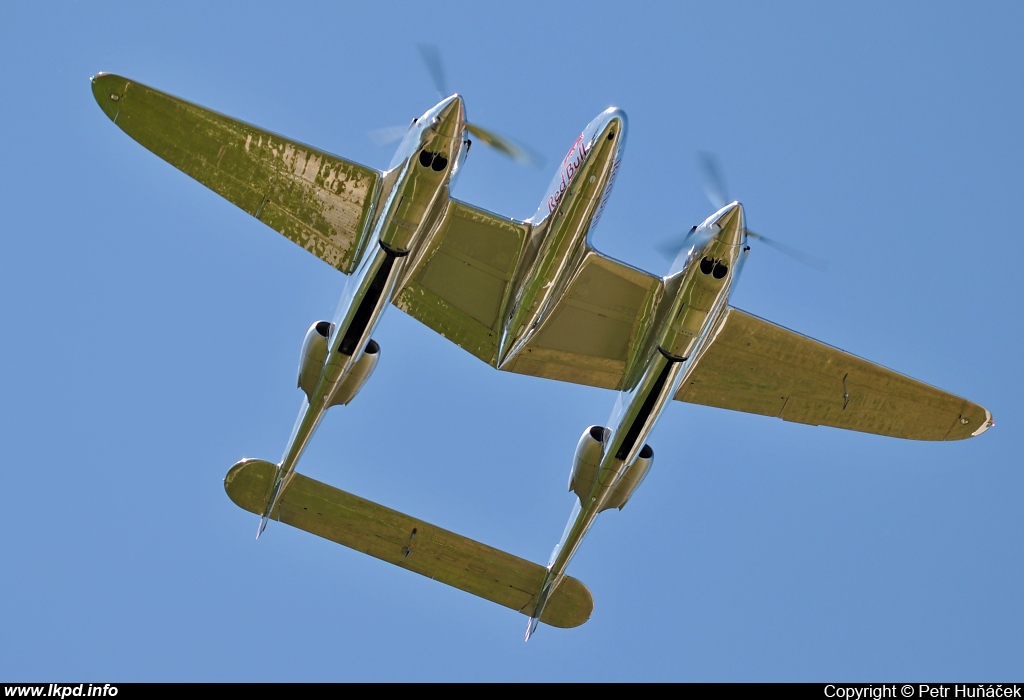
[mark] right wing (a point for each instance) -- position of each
(412, 544)
(755, 366)
(318, 200)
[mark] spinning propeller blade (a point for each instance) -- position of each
(819, 264)
(388, 135)
(504, 145)
(432, 60)
(711, 178)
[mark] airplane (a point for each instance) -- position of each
(528, 296)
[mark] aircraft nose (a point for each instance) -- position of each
(610, 124)
(451, 115)
(731, 222)
(617, 119)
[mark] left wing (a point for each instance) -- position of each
(462, 283)
(318, 200)
(755, 366)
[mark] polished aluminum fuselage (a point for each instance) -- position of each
(568, 212)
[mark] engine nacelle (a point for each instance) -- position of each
(584, 464)
(313, 357)
(358, 375)
(631, 479)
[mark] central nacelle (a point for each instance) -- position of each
(571, 207)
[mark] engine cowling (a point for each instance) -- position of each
(313, 357)
(358, 375)
(631, 479)
(584, 464)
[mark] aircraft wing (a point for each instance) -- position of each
(589, 336)
(320, 201)
(409, 543)
(462, 283)
(758, 367)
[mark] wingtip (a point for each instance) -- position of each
(985, 425)
(107, 90)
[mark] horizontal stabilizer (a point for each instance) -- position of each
(409, 543)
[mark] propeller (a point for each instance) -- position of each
(388, 135)
(819, 264)
(715, 189)
(432, 60)
(435, 67)
(711, 179)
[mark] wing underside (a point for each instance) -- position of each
(755, 366)
(409, 543)
(593, 330)
(318, 200)
(463, 282)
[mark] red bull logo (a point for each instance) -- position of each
(570, 165)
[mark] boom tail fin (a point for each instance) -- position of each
(546, 588)
(271, 502)
(273, 495)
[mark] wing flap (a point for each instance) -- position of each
(409, 543)
(589, 336)
(318, 200)
(755, 366)
(462, 285)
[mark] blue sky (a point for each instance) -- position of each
(153, 332)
